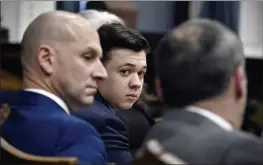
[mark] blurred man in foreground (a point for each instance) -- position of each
(201, 76)
(61, 67)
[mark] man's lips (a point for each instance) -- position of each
(132, 96)
(92, 90)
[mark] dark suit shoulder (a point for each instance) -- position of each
(47, 130)
(74, 122)
(198, 140)
(97, 109)
(161, 131)
(184, 139)
(95, 114)
(78, 138)
(244, 149)
(75, 127)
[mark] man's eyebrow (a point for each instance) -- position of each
(90, 49)
(132, 65)
(87, 49)
(144, 67)
(128, 64)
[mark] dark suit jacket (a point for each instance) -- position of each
(197, 140)
(112, 130)
(133, 119)
(37, 125)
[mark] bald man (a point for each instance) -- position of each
(61, 67)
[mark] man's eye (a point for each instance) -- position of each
(141, 74)
(89, 57)
(125, 72)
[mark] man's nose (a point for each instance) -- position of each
(136, 82)
(100, 72)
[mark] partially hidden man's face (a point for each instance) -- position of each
(126, 70)
(79, 68)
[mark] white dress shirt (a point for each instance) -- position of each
(212, 116)
(53, 97)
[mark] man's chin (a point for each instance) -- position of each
(125, 106)
(88, 100)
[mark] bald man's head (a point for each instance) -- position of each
(52, 28)
(61, 53)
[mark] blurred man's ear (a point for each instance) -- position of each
(240, 82)
(159, 89)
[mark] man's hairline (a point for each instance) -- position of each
(109, 56)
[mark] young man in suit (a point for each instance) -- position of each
(136, 115)
(201, 75)
(124, 57)
(61, 67)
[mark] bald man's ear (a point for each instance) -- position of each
(158, 89)
(45, 59)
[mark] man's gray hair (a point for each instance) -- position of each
(98, 18)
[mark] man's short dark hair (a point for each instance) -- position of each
(196, 60)
(118, 36)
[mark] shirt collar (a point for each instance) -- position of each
(53, 97)
(212, 116)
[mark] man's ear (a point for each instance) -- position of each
(240, 82)
(159, 89)
(45, 58)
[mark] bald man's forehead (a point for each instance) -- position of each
(85, 39)
(86, 33)
(75, 29)
(91, 41)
